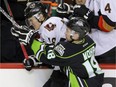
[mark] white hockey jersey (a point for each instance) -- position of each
(105, 41)
(52, 30)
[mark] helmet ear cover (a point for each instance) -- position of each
(72, 34)
(79, 25)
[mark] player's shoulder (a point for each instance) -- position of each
(89, 40)
(104, 2)
(54, 19)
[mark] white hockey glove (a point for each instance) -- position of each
(24, 34)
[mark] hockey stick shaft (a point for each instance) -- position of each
(10, 18)
(8, 8)
(16, 25)
(62, 2)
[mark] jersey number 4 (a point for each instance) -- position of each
(108, 8)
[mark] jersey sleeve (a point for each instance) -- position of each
(53, 57)
(108, 8)
(47, 54)
(104, 15)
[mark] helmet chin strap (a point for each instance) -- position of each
(71, 35)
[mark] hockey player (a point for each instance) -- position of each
(100, 15)
(74, 56)
(51, 29)
(103, 25)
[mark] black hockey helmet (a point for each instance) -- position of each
(80, 25)
(33, 8)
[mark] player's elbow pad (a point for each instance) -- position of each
(105, 24)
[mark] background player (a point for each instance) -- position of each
(103, 25)
(51, 29)
(100, 15)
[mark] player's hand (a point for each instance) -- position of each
(30, 62)
(24, 34)
(82, 11)
(63, 10)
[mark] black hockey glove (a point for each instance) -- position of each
(24, 34)
(30, 62)
(82, 11)
(64, 10)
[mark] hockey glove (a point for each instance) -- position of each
(24, 34)
(30, 62)
(82, 11)
(64, 10)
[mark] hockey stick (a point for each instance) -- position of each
(62, 2)
(16, 25)
(8, 8)
(10, 18)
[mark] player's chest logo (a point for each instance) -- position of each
(50, 26)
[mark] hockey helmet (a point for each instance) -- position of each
(80, 25)
(33, 8)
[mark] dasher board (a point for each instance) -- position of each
(14, 75)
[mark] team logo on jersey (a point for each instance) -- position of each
(50, 26)
(60, 49)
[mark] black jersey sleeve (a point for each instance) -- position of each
(66, 53)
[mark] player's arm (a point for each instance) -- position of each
(107, 19)
(47, 54)
(50, 54)
(103, 23)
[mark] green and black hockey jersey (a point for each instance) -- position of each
(75, 60)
